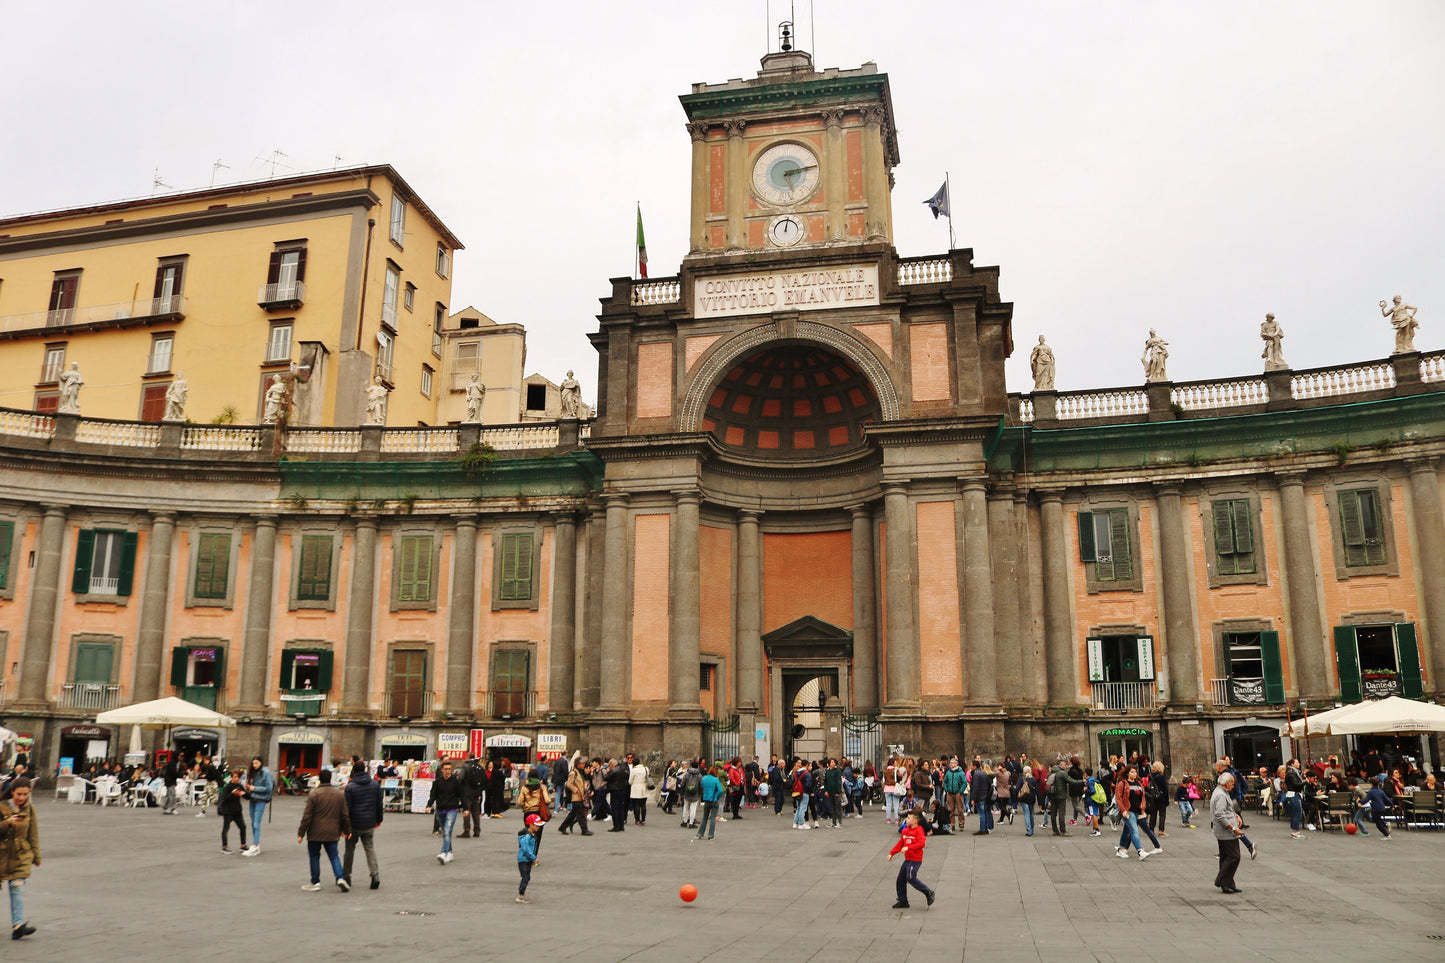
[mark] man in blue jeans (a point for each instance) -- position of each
(802, 779)
(712, 793)
(980, 788)
(324, 821)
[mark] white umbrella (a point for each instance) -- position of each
(7, 735)
(1377, 715)
(164, 713)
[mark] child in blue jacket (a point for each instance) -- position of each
(1379, 805)
(527, 853)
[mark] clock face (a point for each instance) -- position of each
(785, 174)
(786, 231)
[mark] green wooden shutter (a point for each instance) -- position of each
(1119, 535)
(93, 662)
(314, 581)
(1087, 552)
(1372, 525)
(517, 566)
(7, 535)
(127, 563)
(84, 553)
(213, 564)
(1347, 658)
(1243, 532)
(288, 662)
(524, 567)
(1352, 529)
(1273, 668)
(1224, 536)
(180, 655)
(1408, 649)
(323, 670)
(220, 668)
(415, 575)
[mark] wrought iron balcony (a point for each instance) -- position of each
(282, 297)
(1125, 695)
(511, 705)
(89, 695)
(408, 703)
(171, 307)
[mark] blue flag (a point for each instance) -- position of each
(938, 203)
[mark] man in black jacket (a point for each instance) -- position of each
(170, 775)
(363, 801)
(980, 796)
(618, 789)
(474, 784)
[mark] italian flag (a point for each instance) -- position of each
(641, 246)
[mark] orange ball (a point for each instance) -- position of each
(688, 892)
(1351, 828)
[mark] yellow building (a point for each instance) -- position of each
(335, 277)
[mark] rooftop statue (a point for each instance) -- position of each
(1156, 353)
(1273, 335)
(1041, 361)
(1402, 316)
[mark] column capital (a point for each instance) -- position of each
(1419, 465)
(54, 511)
(973, 483)
(1168, 487)
(163, 518)
(895, 488)
(834, 117)
(750, 515)
(366, 521)
(688, 496)
(1050, 495)
(735, 128)
(698, 132)
(466, 521)
(268, 521)
(1291, 476)
(615, 499)
(861, 510)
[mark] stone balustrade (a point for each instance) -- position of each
(221, 437)
(925, 270)
(1108, 403)
(1210, 395)
(337, 440)
(26, 424)
(128, 434)
(1342, 380)
(420, 441)
(1432, 366)
(660, 291)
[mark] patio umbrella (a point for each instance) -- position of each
(164, 714)
(1374, 716)
(7, 735)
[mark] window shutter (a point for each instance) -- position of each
(1352, 529)
(1347, 658)
(301, 264)
(1243, 534)
(1273, 668)
(160, 280)
(1223, 533)
(7, 535)
(524, 567)
(179, 656)
(1096, 659)
(221, 668)
(273, 272)
(127, 563)
(1146, 658)
(1119, 536)
(407, 575)
(288, 662)
(84, 550)
(217, 549)
(421, 589)
(323, 670)
(1408, 650)
(1087, 552)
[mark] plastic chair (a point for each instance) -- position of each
(63, 784)
(112, 794)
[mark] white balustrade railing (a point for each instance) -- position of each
(661, 291)
(96, 313)
(1219, 692)
(103, 586)
(1026, 410)
(281, 293)
(1202, 396)
(132, 434)
(419, 440)
(222, 437)
(26, 424)
(521, 437)
(1110, 403)
(1432, 367)
(1125, 695)
(1349, 380)
(584, 430)
(925, 270)
(323, 440)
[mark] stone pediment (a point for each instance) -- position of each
(808, 638)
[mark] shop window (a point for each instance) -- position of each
(1376, 661)
(213, 565)
(510, 682)
(313, 578)
(104, 563)
(515, 564)
(7, 537)
(1106, 548)
(414, 569)
(1253, 671)
(1233, 536)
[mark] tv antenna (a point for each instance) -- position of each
(275, 160)
(157, 183)
(216, 167)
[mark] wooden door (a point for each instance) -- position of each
(408, 682)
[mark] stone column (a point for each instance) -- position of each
(1430, 539)
(875, 173)
(360, 603)
(1058, 621)
(615, 585)
(750, 613)
(40, 623)
(701, 186)
(737, 177)
(978, 619)
(150, 635)
(256, 636)
(587, 667)
(1307, 642)
(685, 649)
(1034, 686)
(461, 617)
(1180, 633)
(1008, 642)
(904, 683)
(835, 171)
(865, 613)
(562, 641)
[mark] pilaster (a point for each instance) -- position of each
(461, 617)
(979, 661)
(685, 647)
(750, 613)
(904, 682)
(40, 622)
(1180, 633)
(865, 613)
(256, 638)
(1063, 672)
(150, 634)
(1301, 582)
(360, 603)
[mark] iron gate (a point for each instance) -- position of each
(723, 738)
(863, 739)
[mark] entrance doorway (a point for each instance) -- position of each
(1126, 743)
(804, 695)
(304, 758)
(1253, 746)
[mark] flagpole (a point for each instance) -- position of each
(948, 193)
(635, 252)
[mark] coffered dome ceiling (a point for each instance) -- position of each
(795, 400)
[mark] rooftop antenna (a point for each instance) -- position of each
(335, 161)
(275, 160)
(216, 167)
(157, 183)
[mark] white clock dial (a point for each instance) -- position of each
(785, 174)
(786, 231)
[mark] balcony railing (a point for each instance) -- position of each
(1237, 691)
(89, 695)
(103, 586)
(171, 306)
(303, 702)
(129, 434)
(511, 705)
(408, 703)
(1125, 695)
(289, 294)
(659, 291)
(1219, 692)
(925, 270)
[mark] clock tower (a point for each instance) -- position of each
(793, 158)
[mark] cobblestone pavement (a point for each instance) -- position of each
(115, 880)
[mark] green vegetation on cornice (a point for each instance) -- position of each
(573, 473)
(728, 101)
(1194, 442)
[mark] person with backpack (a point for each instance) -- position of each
(1059, 784)
(980, 791)
(735, 780)
(892, 791)
(801, 788)
(1097, 798)
(1156, 798)
(364, 803)
(1026, 794)
(691, 780)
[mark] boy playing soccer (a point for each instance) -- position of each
(911, 841)
(527, 854)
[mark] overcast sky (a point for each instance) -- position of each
(1127, 165)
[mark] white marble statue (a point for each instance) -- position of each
(571, 397)
(176, 398)
(376, 393)
(1273, 336)
(1041, 362)
(70, 382)
(475, 392)
(1156, 353)
(275, 401)
(1402, 316)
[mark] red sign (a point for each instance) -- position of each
(478, 744)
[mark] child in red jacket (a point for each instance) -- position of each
(911, 841)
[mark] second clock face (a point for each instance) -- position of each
(785, 174)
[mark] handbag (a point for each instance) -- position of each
(543, 809)
(650, 784)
